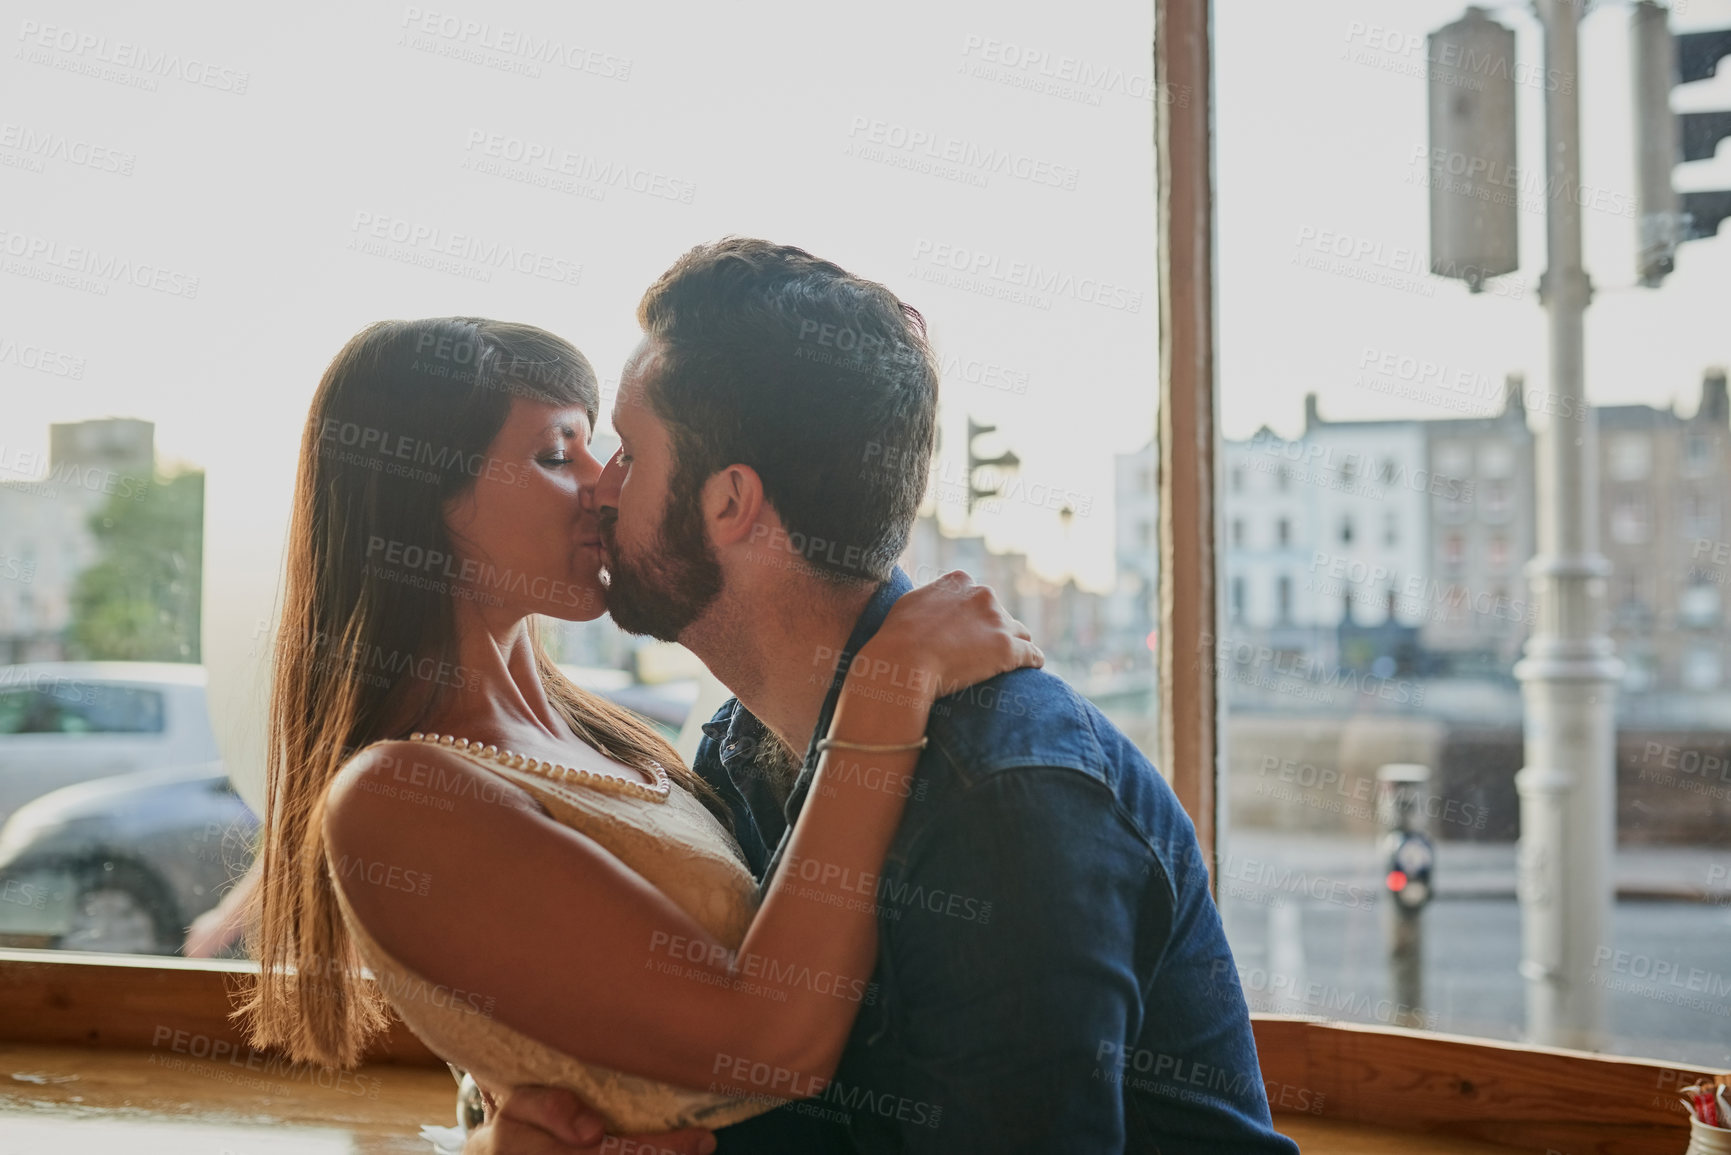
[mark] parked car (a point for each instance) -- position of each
(62, 723)
(126, 862)
(123, 864)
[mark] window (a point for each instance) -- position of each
(303, 248)
(1699, 604)
(1633, 598)
(1238, 532)
(1631, 457)
(1700, 514)
(28, 712)
(1629, 519)
(1453, 459)
(1640, 671)
(1237, 599)
(1496, 500)
(1283, 599)
(1701, 668)
(516, 238)
(1698, 454)
(1283, 533)
(1336, 273)
(77, 708)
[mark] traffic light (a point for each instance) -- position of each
(1661, 60)
(1474, 209)
(1410, 856)
(1004, 460)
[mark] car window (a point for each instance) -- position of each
(112, 710)
(81, 708)
(32, 711)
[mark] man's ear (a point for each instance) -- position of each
(732, 504)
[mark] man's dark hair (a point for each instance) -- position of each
(819, 380)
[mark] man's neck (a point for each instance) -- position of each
(777, 650)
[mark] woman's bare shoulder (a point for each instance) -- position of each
(404, 778)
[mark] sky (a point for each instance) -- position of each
(274, 178)
(374, 140)
(1322, 138)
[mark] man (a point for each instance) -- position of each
(1052, 972)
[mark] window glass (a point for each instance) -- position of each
(29, 712)
(115, 710)
(183, 260)
(1395, 676)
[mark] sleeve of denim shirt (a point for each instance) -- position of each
(1015, 961)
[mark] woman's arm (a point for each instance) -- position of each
(216, 929)
(565, 943)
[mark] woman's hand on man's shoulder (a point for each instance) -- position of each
(944, 636)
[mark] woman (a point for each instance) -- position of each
(431, 771)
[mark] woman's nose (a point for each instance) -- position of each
(588, 472)
(605, 492)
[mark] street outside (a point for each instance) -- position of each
(1305, 917)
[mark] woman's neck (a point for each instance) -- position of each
(501, 698)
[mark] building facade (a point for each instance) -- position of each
(1430, 523)
(1662, 524)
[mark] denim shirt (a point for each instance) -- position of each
(1052, 972)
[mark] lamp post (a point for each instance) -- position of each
(1570, 672)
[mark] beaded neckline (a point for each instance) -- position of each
(574, 775)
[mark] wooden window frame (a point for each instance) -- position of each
(1531, 1098)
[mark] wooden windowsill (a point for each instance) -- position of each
(84, 1101)
(1332, 1137)
(142, 1002)
(143, 1019)
(88, 1101)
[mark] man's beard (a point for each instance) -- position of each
(679, 577)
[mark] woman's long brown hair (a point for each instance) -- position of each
(401, 423)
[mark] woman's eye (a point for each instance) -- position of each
(556, 460)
